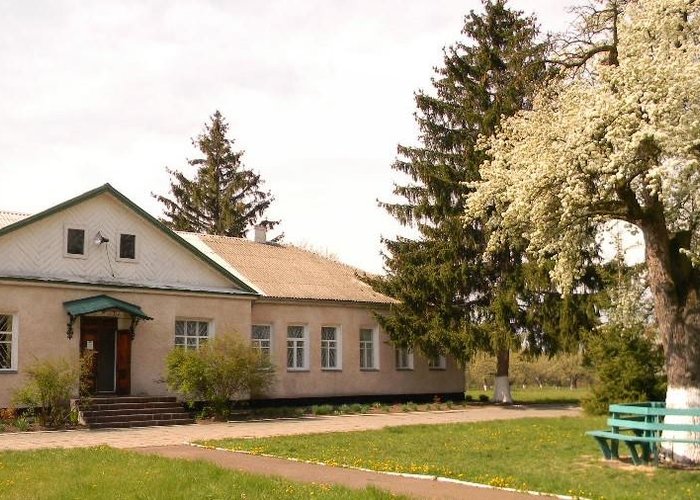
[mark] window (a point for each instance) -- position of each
(191, 334)
(330, 348)
(75, 242)
(261, 339)
(297, 352)
(368, 349)
(438, 362)
(127, 246)
(404, 359)
(8, 342)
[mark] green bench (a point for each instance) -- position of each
(641, 425)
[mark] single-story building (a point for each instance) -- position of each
(99, 273)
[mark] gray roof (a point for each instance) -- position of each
(7, 218)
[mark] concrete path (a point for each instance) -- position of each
(351, 478)
(179, 434)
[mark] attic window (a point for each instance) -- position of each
(75, 241)
(127, 246)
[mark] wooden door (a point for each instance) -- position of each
(123, 362)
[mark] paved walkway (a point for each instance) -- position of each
(350, 478)
(179, 434)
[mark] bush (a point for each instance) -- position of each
(51, 384)
(224, 371)
(322, 409)
(628, 367)
(483, 398)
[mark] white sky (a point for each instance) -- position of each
(317, 92)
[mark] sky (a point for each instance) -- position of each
(318, 93)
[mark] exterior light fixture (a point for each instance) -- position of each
(100, 238)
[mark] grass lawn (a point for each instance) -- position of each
(108, 473)
(550, 455)
(537, 395)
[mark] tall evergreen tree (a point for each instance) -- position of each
(224, 197)
(450, 299)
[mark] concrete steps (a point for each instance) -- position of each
(132, 411)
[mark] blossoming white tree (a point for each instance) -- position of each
(618, 142)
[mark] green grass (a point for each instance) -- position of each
(550, 455)
(536, 395)
(108, 473)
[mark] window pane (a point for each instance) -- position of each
(75, 242)
(5, 323)
(179, 328)
(261, 332)
(127, 246)
(296, 332)
(191, 328)
(328, 333)
(331, 359)
(5, 355)
(324, 358)
(290, 354)
(179, 340)
(300, 355)
(203, 329)
(366, 335)
(192, 341)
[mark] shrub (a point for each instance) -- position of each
(51, 384)
(221, 372)
(322, 409)
(628, 367)
(483, 398)
(356, 408)
(22, 424)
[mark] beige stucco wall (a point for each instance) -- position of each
(350, 380)
(42, 334)
(42, 327)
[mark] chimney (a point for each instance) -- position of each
(260, 234)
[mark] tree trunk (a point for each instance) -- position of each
(502, 384)
(674, 285)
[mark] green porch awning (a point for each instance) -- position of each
(100, 303)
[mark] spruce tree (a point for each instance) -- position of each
(451, 300)
(223, 197)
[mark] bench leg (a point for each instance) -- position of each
(633, 452)
(614, 449)
(603, 444)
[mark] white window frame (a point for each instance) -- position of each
(304, 341)
(118, 246)
(403, 358)
(78, 227)
(198, 343)
(374, 344)
(336, 344)
(438, 362)
(14, 342)
(257, 344)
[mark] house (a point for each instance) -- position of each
(99, 273)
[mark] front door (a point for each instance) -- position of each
(99, 335)
(124, 362)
